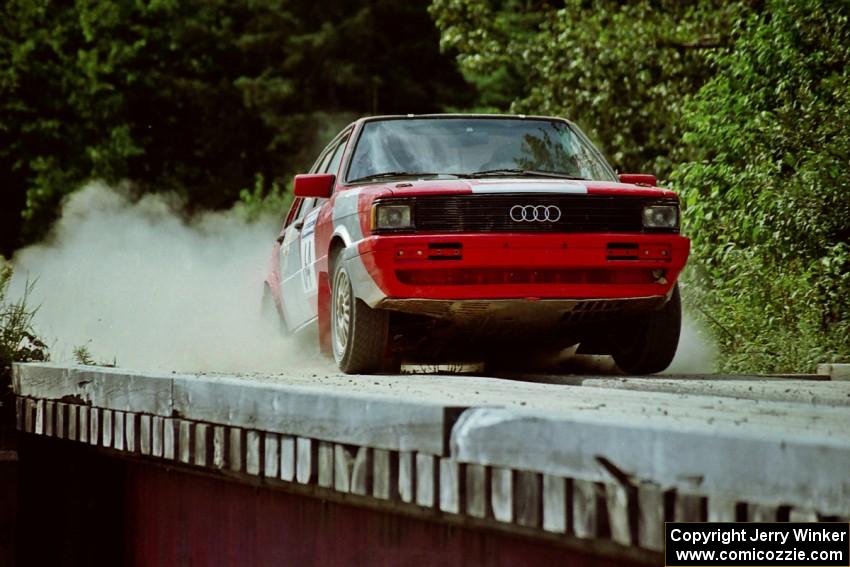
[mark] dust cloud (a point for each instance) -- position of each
(137, 284)
(696, 353)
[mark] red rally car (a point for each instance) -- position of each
(440, 236)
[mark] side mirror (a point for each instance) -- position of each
(314, 185)
(638, 179)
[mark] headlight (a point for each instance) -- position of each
(391, 217)
(661, 216)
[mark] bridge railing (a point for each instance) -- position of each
(601, 470)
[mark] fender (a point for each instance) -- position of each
(341, 231)
(272, 279)
(324, 312)
(324, 283)
(347, 222)
(362, 282)
(349, 217)
(332, 225)
(325, 232)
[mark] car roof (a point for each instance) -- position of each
(459, 115)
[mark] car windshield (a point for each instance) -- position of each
(474, 147)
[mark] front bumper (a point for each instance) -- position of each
(521, 266)
(517, 313)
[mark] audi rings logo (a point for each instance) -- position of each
(535, 213)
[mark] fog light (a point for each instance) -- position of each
(660, 276)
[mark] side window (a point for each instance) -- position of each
(306, 207)
(333, 166)
(299, 210)
(303, 206)
(323, 164)
(328, 162)
(294, 210)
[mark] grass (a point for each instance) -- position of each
(18, 341)
(83, 356)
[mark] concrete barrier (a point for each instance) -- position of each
(363, 419)
(815, 393)
(594, 468)
(835, 371)
(723, 460)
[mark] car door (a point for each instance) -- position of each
(309, 259)
(298, 289)
(292, 297)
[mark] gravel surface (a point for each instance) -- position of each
(799, 406)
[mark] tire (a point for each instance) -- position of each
(359, 334)
(649, 344)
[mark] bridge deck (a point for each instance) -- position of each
(595, 463)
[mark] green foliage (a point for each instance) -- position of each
(18, 341)
(82, 355)
(195, 97)
(768, 197)
(262, 201)
(271, 199)
(744, 104)
(619, 69)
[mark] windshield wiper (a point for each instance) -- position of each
(473, 175)
(375, 176)
(534, 172)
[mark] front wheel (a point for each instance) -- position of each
(649, 344)
(359, 333)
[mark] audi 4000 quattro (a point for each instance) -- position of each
(475, 235)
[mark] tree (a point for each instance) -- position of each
(196, 97)
(621, 70)
(768, 196)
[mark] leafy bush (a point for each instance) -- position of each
(745, 104)
(768, 200)
(18, 341)
(262, 201)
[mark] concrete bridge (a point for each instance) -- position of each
(118, 467)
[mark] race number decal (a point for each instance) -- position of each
(308, 253)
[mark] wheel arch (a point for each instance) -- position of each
(335, 247)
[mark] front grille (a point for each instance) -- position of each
(492, 213)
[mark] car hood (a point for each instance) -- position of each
(519, 185)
